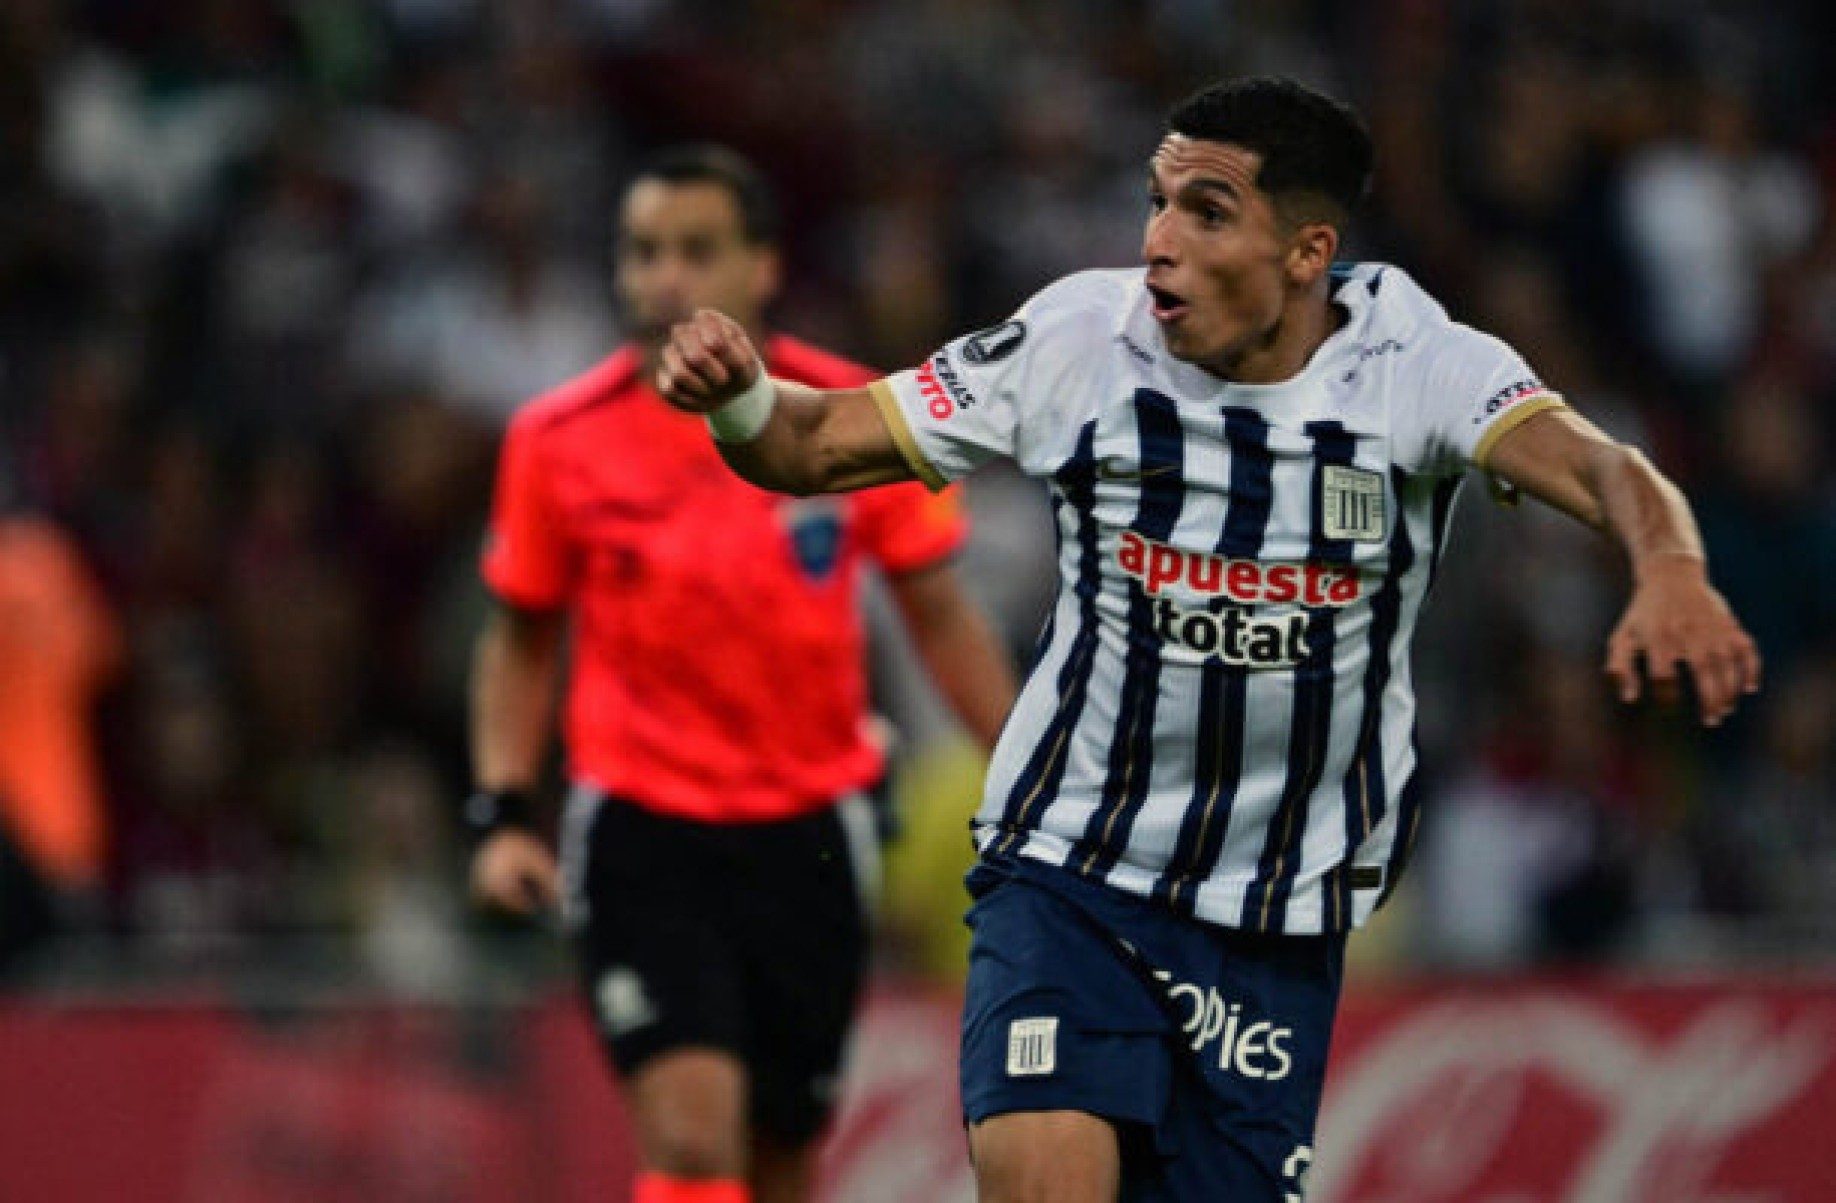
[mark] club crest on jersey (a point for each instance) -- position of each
(814, 527)
(1352, 505)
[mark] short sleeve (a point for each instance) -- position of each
(905, 528)
(1470, 390)
(527, 559)
(1012, 391)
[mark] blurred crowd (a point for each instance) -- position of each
(274, 272)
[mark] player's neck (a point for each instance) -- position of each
(1285, 351)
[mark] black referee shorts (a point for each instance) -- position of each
(751, 938)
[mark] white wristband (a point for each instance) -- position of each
(741, 419)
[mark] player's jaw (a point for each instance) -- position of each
(1214, 316)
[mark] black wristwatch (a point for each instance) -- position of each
(489, 811)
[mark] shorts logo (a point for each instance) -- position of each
(1294, 1170)
(1032, 1047)
(1508, 396)
(624, 1004)
(1352, 504)
(1247, 1047)
(995, 343)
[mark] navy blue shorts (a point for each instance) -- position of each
(1206, 1047)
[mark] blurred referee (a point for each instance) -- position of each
(717, 842)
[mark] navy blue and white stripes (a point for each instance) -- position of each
(1222, 715)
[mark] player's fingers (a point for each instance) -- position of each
(726, 340)
(1752, 669)
(1661, 661)
(700, 352)
(502, 892)
(1622, 665)
(1714, 680)
(531, 896)
(686, 383)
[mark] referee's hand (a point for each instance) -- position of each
(707, 362)
(514, 871)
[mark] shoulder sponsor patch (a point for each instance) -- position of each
(1032, 1047)
(943, 390)
(995, 343)
(1508, 396)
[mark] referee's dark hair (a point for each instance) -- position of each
(1313, 148)
(707, 163)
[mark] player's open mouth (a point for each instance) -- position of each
(1167, 306)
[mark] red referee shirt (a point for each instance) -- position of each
(718, 670)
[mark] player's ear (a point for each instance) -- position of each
(1311, 251)
(767, 273)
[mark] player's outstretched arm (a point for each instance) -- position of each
(1675, 617)
(778, 435)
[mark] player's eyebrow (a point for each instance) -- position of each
(1225, 186)
(1213, 183)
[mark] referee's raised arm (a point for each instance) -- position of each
(779, 435)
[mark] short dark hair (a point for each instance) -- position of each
(1311, 145)
(705, 163)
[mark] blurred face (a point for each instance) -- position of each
(683, 247)
(1222, 265)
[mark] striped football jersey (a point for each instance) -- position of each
(1221, 715)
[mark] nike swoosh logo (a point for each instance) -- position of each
(1116, 469)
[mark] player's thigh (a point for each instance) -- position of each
(1046, 1157)
(657, 970)
(802, 928)
(1054, 1018)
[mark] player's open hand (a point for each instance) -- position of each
(1677, 619)
(514, 871)
(707, 362)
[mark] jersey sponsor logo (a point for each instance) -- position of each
(1032, 1047)
(1353, 505)
(1508, 396)
(1246, 1046)
(1235, 636)
(1249, 582)
(995, 343)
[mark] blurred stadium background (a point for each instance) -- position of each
(274, 272)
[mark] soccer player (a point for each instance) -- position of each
(1209, 777)
(718, 842)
